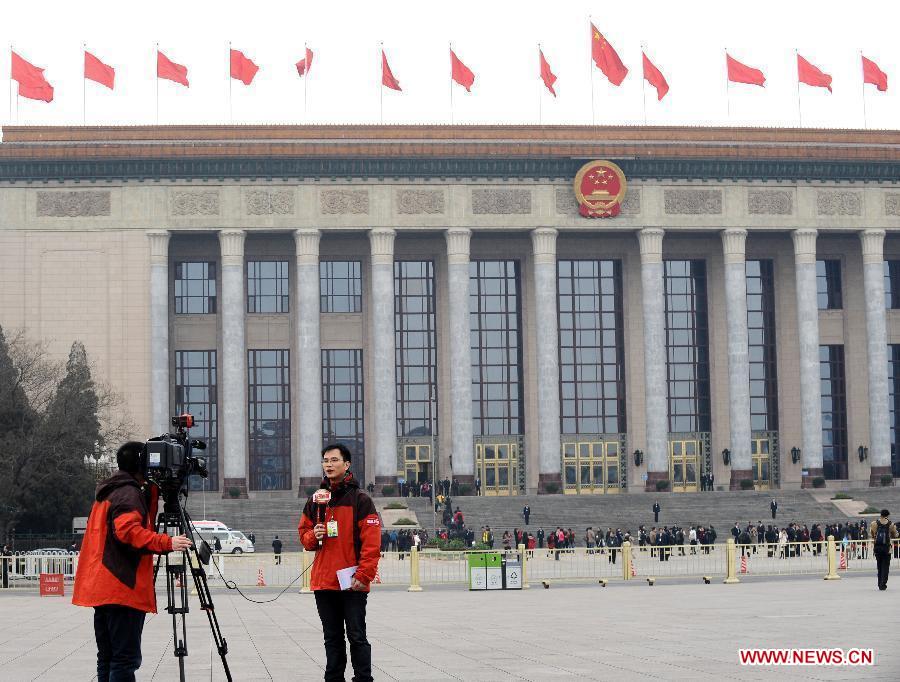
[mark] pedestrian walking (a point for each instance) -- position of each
(773, 505)
(276, 547)
(526, 512)
(882, 531)
(656, 510)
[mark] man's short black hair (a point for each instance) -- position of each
(885, 513)
(129, 456)
(340, 447)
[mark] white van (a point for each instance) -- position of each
(232, 541)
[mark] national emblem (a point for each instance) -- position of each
(599, 189)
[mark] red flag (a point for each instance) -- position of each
(461, 73)
(872, 74)
(654, 76)
(96, 70)
(170, 70)
(741, 73)
(546, 74)
(812, 75)
(32, 83)
(304, 64)
(242, 69)
(606, 58)
(387, 78)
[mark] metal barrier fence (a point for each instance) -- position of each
(434, 567)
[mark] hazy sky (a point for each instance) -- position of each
(497, 40)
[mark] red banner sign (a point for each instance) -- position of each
(52, 585)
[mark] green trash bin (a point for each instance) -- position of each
(494, 570)
(477, 563)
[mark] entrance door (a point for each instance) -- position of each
(498, 466)
(684, 465)
(591, 467)
(760, 452)
(416, 464)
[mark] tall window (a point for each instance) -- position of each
(834, 411)
(761, 345)
(342, 404)
(268, 287)
(195, 287)
(687, 345)
(270, 419)
(592, 371)
(195, 392)
(340, 284)
(828, 284)
(415, 347)
(892, 284)
(894, 403)
(496, 347)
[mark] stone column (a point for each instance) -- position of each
(309, 359)
(808, 338)
(159, 332)
(876, 340)
(655, 377)
(462, 447)
(382, 360)
(233, 384)
(543, 241)
(733, 242)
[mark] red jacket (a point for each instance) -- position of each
(357, 544)
(115, 565)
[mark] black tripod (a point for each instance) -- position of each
(174, 517)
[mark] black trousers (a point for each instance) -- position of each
(337, 608)
(118, 632)
(883, 559)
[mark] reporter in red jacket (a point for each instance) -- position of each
(115, 566)
(350, 535)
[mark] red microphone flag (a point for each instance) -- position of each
(654, 76)
(304, 64)
(387, 78)
(606, 58)
(812, 75)
(872, 74)
(97, 71)
(741, 73)
(32, 83)
(242, 69)
(546, 74)
(165, 68)
(461, 73)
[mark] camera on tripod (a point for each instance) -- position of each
(170, 459)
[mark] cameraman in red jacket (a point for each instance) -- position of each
(115, 566)
(344, 533)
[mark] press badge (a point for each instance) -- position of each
(331, 529)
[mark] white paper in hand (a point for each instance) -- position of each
(345, 577)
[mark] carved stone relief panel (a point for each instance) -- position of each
(892, 203)
(420, 201)
(829, 202)
(75, 204)
(693, 201)
(770, 202)
(265, 202)
(188, 203)
(501, 201)
(338, 201)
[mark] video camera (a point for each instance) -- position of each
(170, 459)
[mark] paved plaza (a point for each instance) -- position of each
(675, 630)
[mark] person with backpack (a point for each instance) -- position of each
(882, 531)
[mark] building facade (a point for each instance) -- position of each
(432, 297)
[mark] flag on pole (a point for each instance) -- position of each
(654, 76)
(32, 83)
(304, 64)
(547, 75)
(606, 58)
(169, 70)
(387, 77)
(874, 75)
(812, 75)
(242, 68)
(98, 72)
(461, 73)
(741, 73)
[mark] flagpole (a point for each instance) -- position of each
(591, 70)
(799, 108)
(9, 89)
(228, 72)
(451, 82)
(865, 119)
(305, 79)
(727, 90)
(157, 81)
(381, 87)
(540, 93)
(83, 85)
(643, 82)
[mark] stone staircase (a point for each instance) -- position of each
(721, 509)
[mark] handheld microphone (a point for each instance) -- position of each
(321, 498)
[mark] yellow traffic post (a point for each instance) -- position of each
(525, 585)
(730, 557)
(832, 560)
(305, 562)
(626, 559)
(414, 585)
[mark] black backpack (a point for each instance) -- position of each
(883, 535)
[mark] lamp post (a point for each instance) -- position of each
(434, 461)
